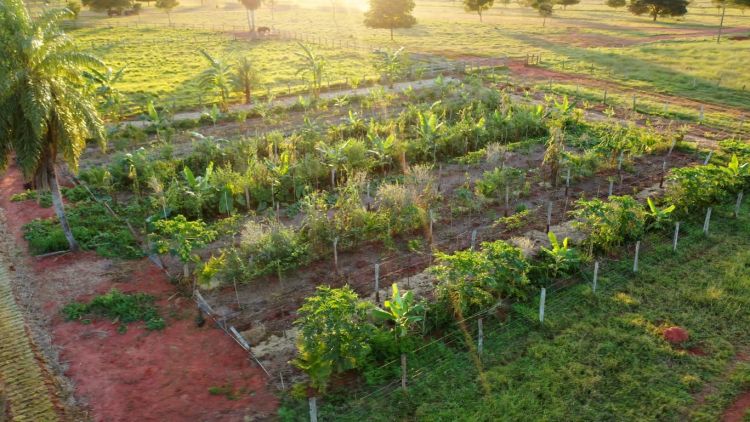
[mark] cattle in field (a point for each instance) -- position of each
(264, 30)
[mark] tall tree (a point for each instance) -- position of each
(722, 5)
(478, 6)
(250, 7)
(566, 3)
(108, 6)
(167, 6)
(656, 8)
(543, 7)
(616, 3)
(390, 14)
(45, 111)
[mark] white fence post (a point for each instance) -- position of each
(635, 260)
(596, 276)
(312, 401)
(377, 283)
(676, 236)
(737, 205)
(542, 299)
(473, 239)
(480, 340)
(707, 222)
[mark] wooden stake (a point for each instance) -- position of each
(596, 276)
(737, 205)
(336, 254)
(480, 340)
(707, 222)
(663, 173)
(676, 236)
(542, 299)
(549, 215)
(377, 283)
(708, 157)
(507, 200)
(403, 371)
(473, 239)
(635, 260)
(312, 401)
(611, 187)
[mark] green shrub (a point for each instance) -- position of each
(45, 200)
(124, 308)
(93, 227)
(493, 183)
(610, 224)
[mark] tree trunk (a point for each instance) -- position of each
(249, 21)
(252, 18)
(57, 204)
(721, 24)
(480, 15)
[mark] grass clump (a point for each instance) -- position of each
(121, 307)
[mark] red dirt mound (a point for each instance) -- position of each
(676, 335)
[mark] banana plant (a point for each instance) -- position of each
(428, 128)
(334, 156)
(160, 121)
(658, 218)
(561, 258)
(104, 83)
(402, 310)
(381, 149)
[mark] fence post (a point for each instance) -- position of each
(605, 97)
(633, 102)
(567, 181)
(549, 215)
(473, 239)
(708, 157)
(700, 115)
(403, 371)
(596, 276)
(663, 173)
(336, 254)
(635, 260)
(377, 283)
(738, 204)
(480, 340)
(312, 401)
(611, 187)
(676, 236)
(707, 222)
(542, 299)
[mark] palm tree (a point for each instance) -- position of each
(250, 7)
(218, 76)
(45, 110)
(313, 66)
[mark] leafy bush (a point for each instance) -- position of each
(698, 187)
(610, 224)
(560, 259)
(493, 183)
(121, 307)
(334, 334)
(45, 200)
(472, 281)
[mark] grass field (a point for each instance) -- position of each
(601, 356)
(165, 63)
(674, 56)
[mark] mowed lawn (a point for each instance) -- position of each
(601, 356)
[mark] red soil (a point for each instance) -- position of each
(738, 409)
(676, 335)
(139, 375)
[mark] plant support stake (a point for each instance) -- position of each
(596, 276)
(473, 239)
(480, 340)
(707, 222)
(336, 254)
(676, 236)
(542, 299)
(312, 401)
(403, 371)
(737, 205)
(377, 283)
(635, 260)
(549, 215)
(708, 158)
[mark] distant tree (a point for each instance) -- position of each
(616, 3)
(478, 6)
(103, 84)
(722, 5)
(390, 14)
(250, 7)
(167, 6)
(543, 7)
(218, 76)
(566, 3)
(108, 6)
(47, 114)
(656, 8)
(75, 7)
(245, 78)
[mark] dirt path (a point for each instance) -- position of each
(288, 101)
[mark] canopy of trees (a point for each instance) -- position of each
(656, 8)
(390, 14)
(478, 6)
(616, 3)
(108, 5)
